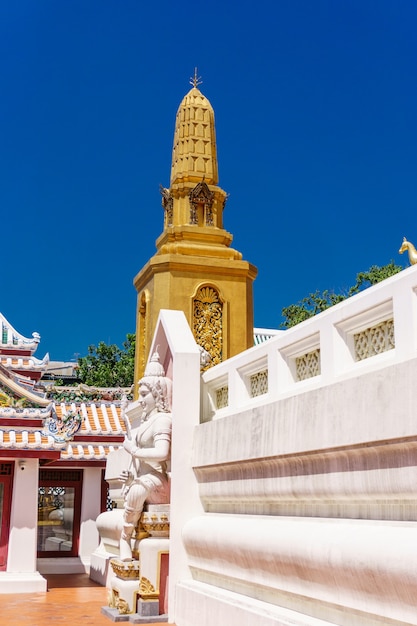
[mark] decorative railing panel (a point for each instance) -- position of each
(308, 365)
(222, 397)
(259, 383)
(374, 340)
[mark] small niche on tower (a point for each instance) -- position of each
(201, 205)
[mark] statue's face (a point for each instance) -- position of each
(146, 399)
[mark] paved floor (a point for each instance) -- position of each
(70, 600)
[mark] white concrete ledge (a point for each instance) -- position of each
(366, 482)
(205, 605)
(314, 566)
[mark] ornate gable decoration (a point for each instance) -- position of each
(201, 196)
(168, 204)
(62, 429)
(18, 391)
(12, 339)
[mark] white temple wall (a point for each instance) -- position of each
(308, 486)
(311, 503)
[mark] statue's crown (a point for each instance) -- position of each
(154, 367)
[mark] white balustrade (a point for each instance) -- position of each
(370, 330)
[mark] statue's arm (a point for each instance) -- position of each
(159, 451)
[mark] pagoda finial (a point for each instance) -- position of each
(195, 81)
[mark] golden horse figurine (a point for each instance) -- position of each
(412, 252)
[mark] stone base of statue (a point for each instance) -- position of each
(153, 590)
(110, 526)
(135, 618)
(124, 586)
(138, 589)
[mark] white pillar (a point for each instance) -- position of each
(90, 510)
(24, 517)
(21, 575)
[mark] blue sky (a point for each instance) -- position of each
(316, 120)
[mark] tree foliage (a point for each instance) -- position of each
(320, 301)
(108, 365)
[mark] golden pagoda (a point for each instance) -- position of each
(194, 269)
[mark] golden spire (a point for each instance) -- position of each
(194, 154)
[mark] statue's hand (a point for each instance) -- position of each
(129, 445)
(126, 477)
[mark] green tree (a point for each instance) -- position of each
(320, 301)
(108, 365)
(373, 276)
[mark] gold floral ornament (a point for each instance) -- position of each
(147, 590)
(123, 607)
(208, 323)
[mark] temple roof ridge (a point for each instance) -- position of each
(11, 338)
(20, 388)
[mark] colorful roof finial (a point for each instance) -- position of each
(195, 81)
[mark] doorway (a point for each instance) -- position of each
(6, 483)
(59, 507)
